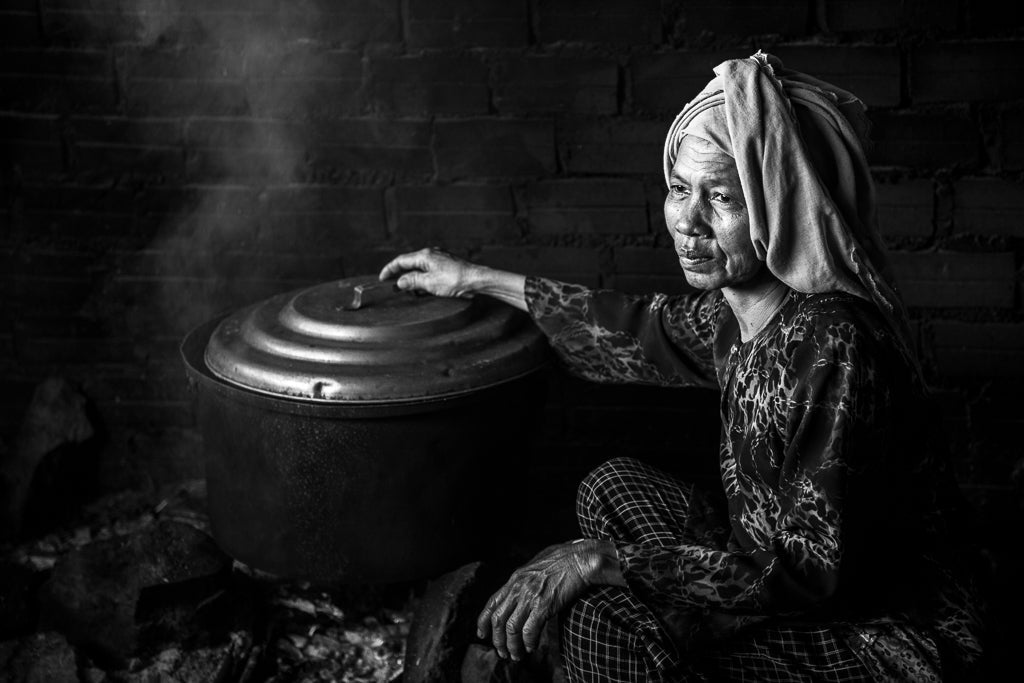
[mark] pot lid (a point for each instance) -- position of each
(311, 344)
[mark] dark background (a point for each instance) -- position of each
(164, 160)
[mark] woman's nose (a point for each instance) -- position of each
(689, 219)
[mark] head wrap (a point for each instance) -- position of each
(799, 144)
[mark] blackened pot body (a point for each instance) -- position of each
(359, 493)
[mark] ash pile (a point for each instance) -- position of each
(144, 595)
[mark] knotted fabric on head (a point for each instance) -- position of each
(799, 148)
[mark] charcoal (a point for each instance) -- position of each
(94, 592)
(39, 658)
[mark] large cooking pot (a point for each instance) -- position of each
(369, 445)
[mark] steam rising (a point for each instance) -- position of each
(218, 245)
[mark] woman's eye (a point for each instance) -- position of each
(677, 190)
(723, 198)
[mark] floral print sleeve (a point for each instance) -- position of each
(799, 411)
(607, 336)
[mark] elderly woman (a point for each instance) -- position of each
(830, 562)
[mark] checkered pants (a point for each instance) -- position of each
(609, 635)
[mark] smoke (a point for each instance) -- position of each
(213, 249)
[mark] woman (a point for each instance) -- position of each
(831, 561)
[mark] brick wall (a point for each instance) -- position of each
(164, 160)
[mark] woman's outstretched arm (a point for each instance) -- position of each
(441, 274)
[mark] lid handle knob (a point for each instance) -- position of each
(369, 293)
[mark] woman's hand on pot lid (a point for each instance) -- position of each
(433, 271)
(441, 274)
(514, 617)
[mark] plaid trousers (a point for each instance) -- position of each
(609, 635)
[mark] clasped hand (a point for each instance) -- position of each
(514, 616)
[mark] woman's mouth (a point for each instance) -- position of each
(692, 257)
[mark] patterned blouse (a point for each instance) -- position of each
(834, 502)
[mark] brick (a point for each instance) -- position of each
(1010, 153)
(871, 72)
(250, 149)
(19, 28)
(993, 17)
(933, 15)
(454, 213)
(841, 16)
(665, 82)
(428, 85)
(641, 270)
(615, 146)
(354, 22)
(31, 144)
(493, 148)
(467, 23)
(184, 82)
(125, 147)
(955, 279)
(977, 71)
(29, 127)
(46, 262)
(546, 84)
(366, 260)
(167, 97)
(56, 295)
(301, 84)
(101, 23)
(368, 150)
(906, 209)
(558, 207)
(989, 206)
(544, 261)
(742, 17)
(57, 80)
(651, 260)
(979, 349)
(159, 201)
(325, 217)
(623, 22)
(929, 139)
(179, 258)
(186, 63)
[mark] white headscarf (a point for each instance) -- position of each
(799, 148)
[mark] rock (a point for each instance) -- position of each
(39, 658)
(18, 607)
(442, 626)
(213, 664)
(56, 418)
(94, 592)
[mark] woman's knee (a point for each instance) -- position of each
(605, 480)
(608, 636)
(590, 625)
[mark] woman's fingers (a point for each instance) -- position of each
(483, 621)
(416, 260)
(499, 621)
(514, 628)
(534, 626)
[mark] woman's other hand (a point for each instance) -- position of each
(514, 617)
(441, 274)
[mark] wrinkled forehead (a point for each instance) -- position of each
(697, 157)
(709, 125)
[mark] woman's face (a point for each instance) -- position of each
(707, 218)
